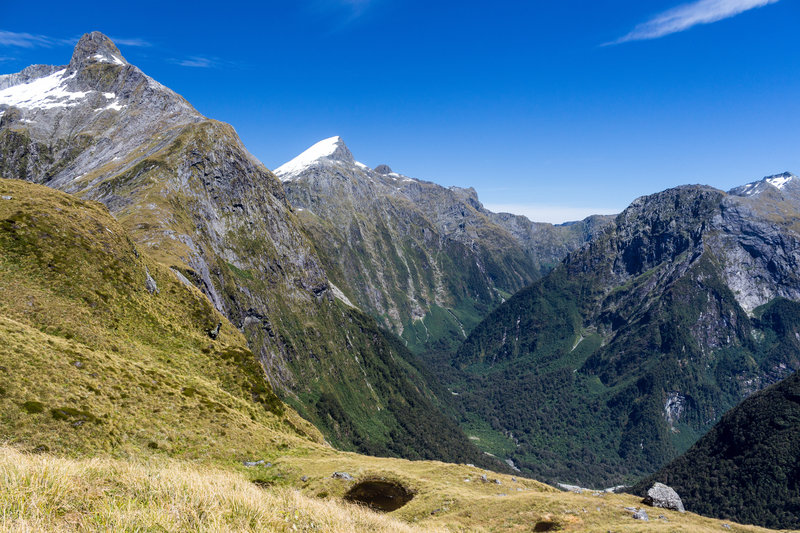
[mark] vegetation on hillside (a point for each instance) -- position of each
(622, 357)
(747, 468)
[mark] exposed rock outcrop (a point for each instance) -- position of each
(660, 495)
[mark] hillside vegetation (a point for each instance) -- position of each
(747, 467)
(629, 351)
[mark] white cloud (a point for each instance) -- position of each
(554, 214)
(197, 62)
(683, 17)
(25, 40)
(135, 41)
(30, 40)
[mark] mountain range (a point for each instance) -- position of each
(167, 294)
(427, 261)
(636, 344)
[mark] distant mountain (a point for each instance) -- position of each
(747, 468)
(193, 198)
(428, 261)
(635, 345)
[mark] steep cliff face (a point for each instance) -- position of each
(635, 346)
(194, 198)
(428, 261)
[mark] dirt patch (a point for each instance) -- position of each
(379, 494)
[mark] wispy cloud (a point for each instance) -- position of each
(339, 13)
(30, 40)
(683, 17)
(197, 62)
(26, 40)
(131, 42)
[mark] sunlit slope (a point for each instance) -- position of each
(93, 359)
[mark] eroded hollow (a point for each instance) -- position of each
(379, 494)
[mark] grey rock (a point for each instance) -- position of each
(641, 514)
(304, 479)
(182, 278)
(342, 475)
(383, 169)
(251, 464)
(663, 496)
(4, 197)
(214, 333)
(150, 283)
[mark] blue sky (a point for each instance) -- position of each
(550, 108)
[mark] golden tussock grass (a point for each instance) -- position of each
(45, 493)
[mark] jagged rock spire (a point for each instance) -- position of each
(95, 47)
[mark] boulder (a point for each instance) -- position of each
(342, 475)
(665, 497)
(641, 514)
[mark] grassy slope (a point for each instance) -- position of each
(43, 492)
(92, 361)
(158, 417)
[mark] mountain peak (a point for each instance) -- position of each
(383, 169)
(331, 149)
(779, 181)
(95, 47)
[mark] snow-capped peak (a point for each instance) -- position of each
(332, 149)
(778, 181)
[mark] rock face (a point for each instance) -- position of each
(428, 261)
(189, 193)
(660, 495)
(637, 343)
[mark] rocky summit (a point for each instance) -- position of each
(427, 261)
(632, 348)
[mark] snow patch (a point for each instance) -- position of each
(322, 150)
(116, 106)
(779, 181)
(114, 60)
(43, 93)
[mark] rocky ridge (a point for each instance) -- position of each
(638, 342)
(426, 260)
